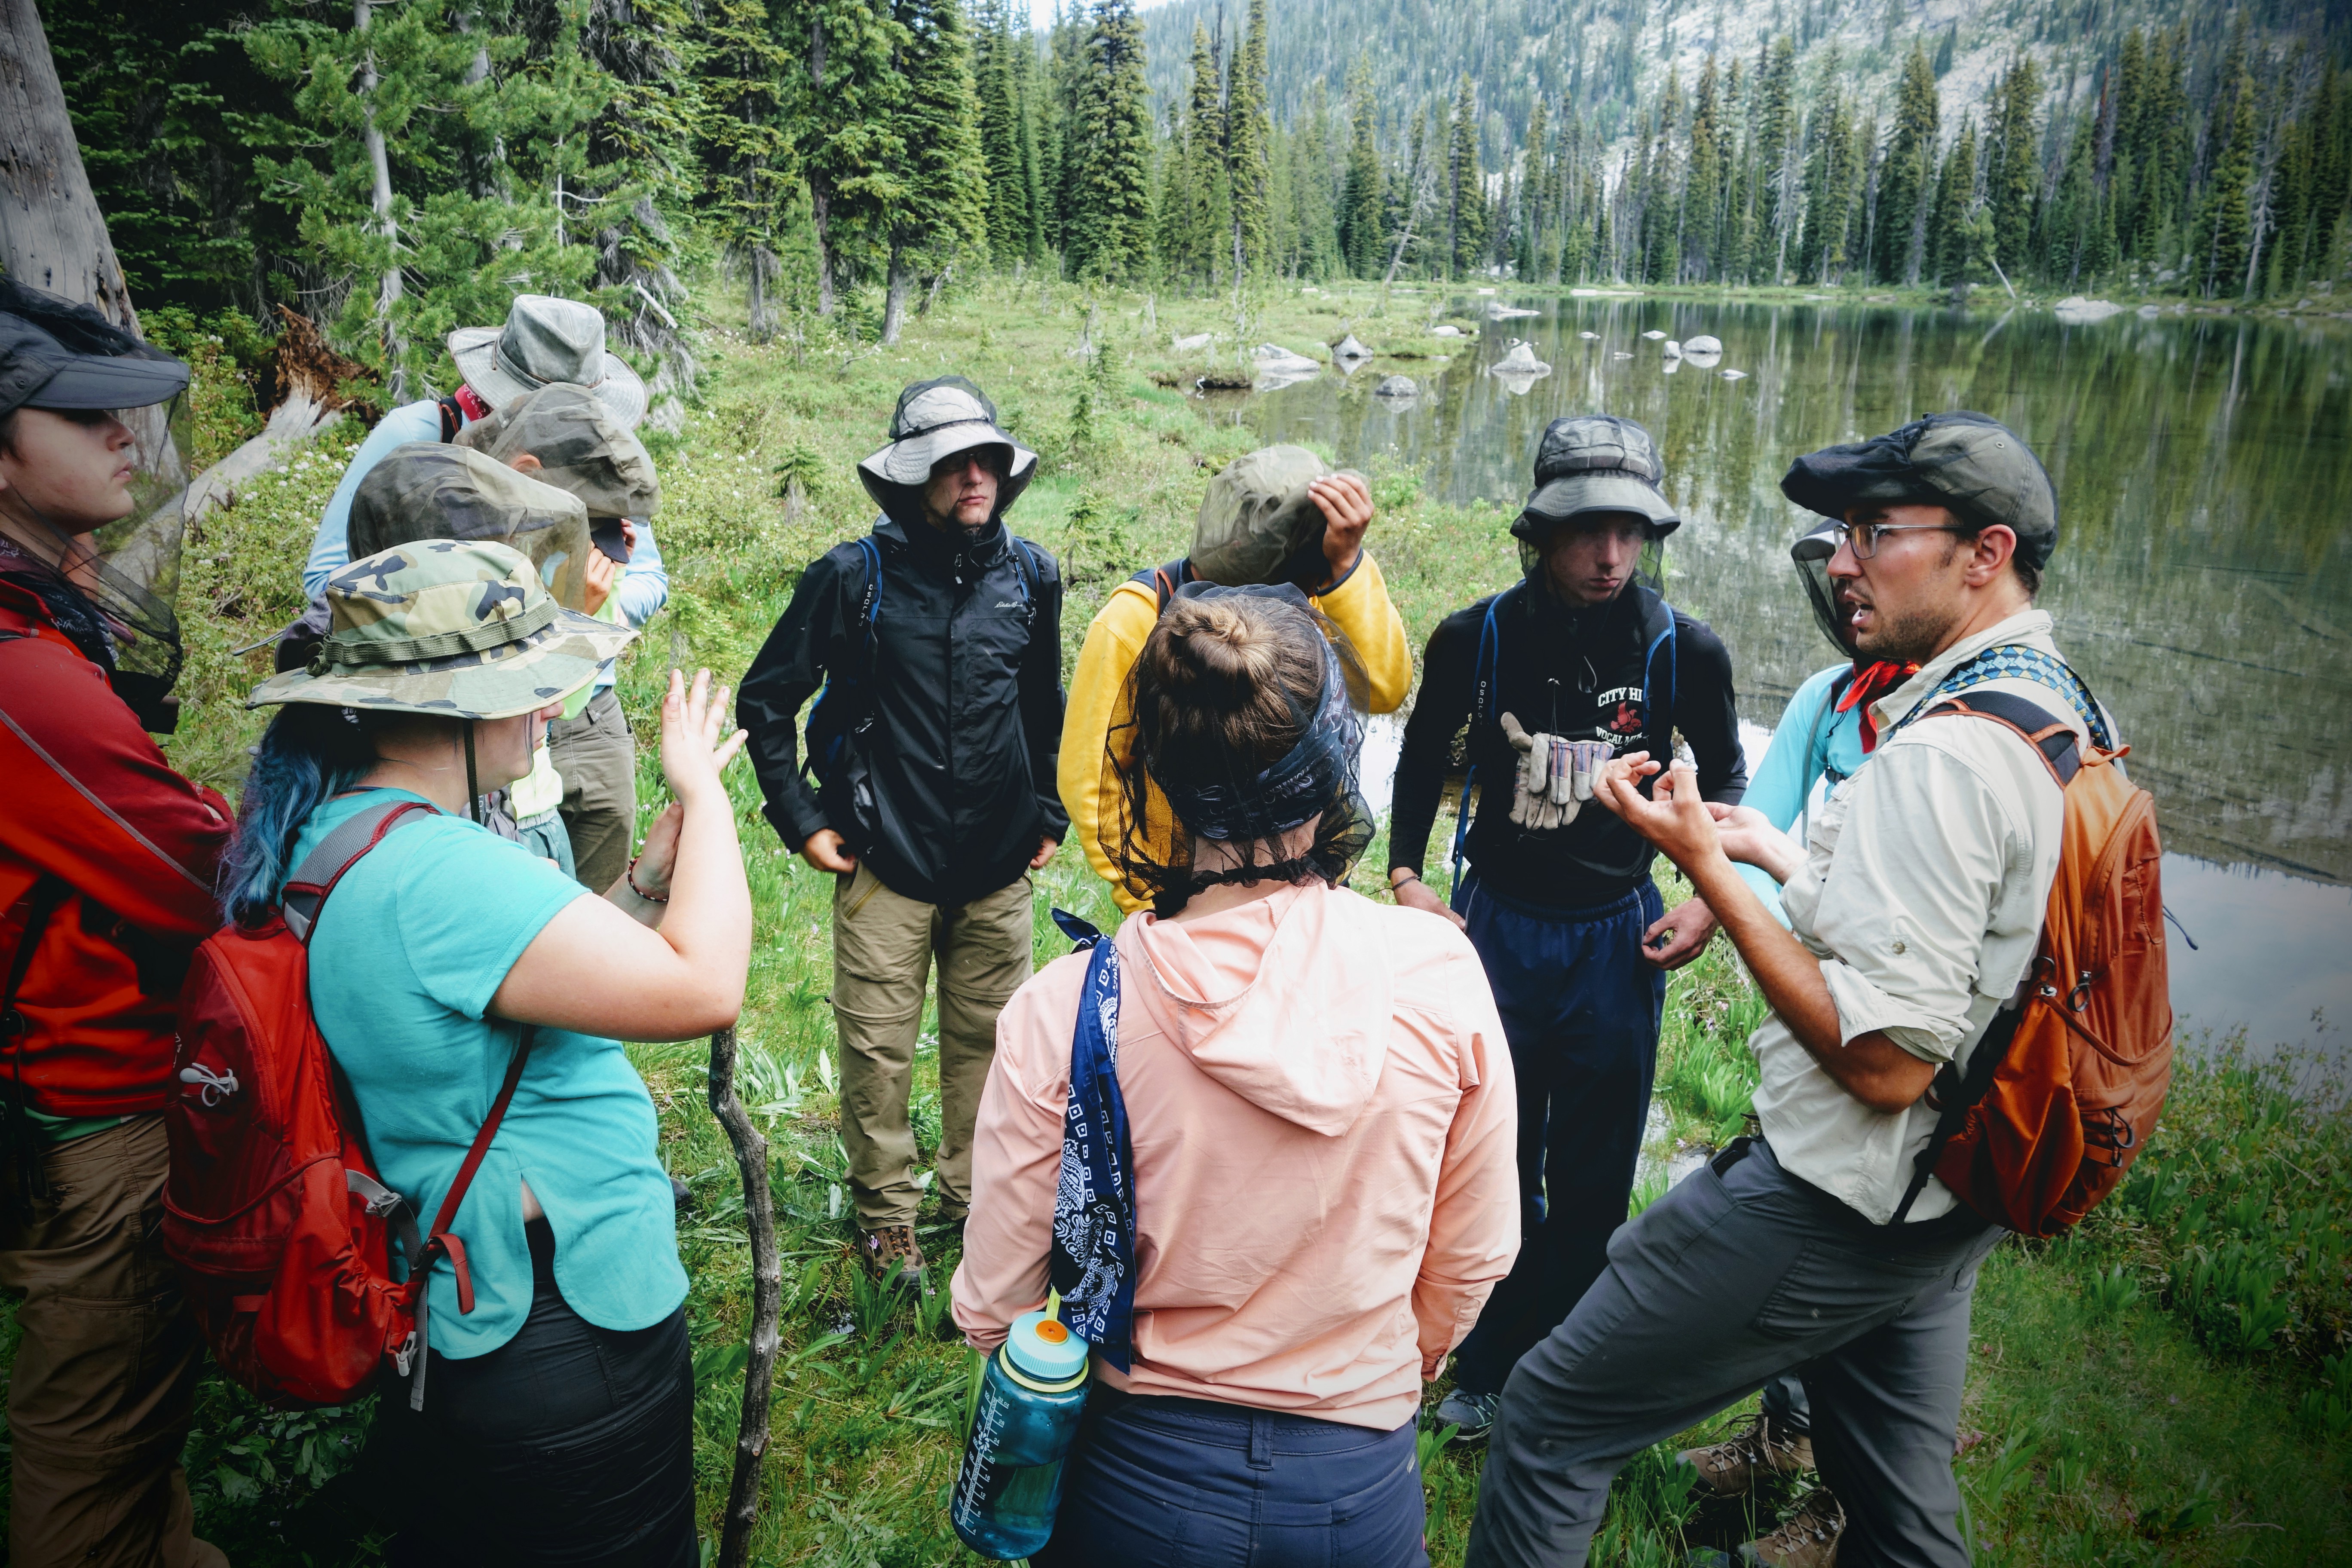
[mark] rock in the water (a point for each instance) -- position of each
(1197, 341)
(2149, 313)
(1274, 357)
(1499, 311)
(1348, 348)
(1448, 330)
(1653, 334)
(1521, 361)
(1589, 337)
(1735, 375)
(1397, 387)
(1703, 344)
(2077, 311)
(1486, 290)
(1619, 353)
(1674, 362)
(1673, 349)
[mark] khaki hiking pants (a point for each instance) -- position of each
(882, 950)
(101, 1396)
(597, 756)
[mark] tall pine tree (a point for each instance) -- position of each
(1249, 134)
(936, 201)
(1465, 193)
(1363, 195)
(1906, 183)
(840, 113)
(1108, 152)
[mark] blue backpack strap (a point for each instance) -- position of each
(1482, 687)
(869, 612)
(1661, 715)
(2012, 661)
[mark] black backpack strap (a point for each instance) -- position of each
(1164, 581)
(1953, 1094)
(2047, 734)
(453, 419)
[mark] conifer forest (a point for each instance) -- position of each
(1141, 225)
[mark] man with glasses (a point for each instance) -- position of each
(1914, 911)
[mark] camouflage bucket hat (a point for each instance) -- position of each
(456, 628)
(426, 491)
(581, 448)
(1256, 515)
(1970, 463)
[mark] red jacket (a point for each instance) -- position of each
(90, 801)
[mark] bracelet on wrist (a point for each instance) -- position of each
(630, 876)
(1396, 881)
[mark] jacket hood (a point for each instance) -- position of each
(1274, 1000)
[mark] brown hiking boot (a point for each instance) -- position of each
(1806, 1539)
(1734, 1466)
(891, 1256)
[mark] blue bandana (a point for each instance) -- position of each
(1093, 1261)
(1306, 783)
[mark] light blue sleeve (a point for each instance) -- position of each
(1785, 778)
(331, 547)
(469, 902)
(645, 589)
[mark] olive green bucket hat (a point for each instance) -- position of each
(426, 491)
(461, 629)
(1256, 516)
(581, 448)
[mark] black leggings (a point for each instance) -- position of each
(569, 1443)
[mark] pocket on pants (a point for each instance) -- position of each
(1827, 1288)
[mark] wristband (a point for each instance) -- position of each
(1410, 876)
(630, 877)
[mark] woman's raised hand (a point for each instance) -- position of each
(694, 719)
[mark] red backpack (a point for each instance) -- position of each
(272, 1211)
(2061, 1093)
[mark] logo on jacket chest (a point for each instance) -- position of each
(1622, 710)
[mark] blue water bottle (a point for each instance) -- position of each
(1011, 1483)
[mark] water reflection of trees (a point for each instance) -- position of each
(2202, 465)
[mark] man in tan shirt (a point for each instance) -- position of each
(1915, 910)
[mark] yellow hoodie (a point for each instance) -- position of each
(1086, 773)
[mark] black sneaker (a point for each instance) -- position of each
(1473, 1413)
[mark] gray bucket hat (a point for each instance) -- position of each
(426, 491)
(1595, 462)
(547, 340)
(580, 446)
(457, 629)
(1256, 515)
(1971, 463)
(936, 419)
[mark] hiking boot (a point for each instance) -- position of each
(1806, 1539)
(1760, 1448)
(1473, 1413)
(891, 1256)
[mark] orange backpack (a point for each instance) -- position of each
(2061, 1093)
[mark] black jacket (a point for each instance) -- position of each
(1583, 674)
(944, 784)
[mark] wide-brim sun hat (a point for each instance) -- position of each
(457, 629)
(545, 341)
(1592, 463)
(936, 420)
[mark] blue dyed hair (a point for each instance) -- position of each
(309, 754)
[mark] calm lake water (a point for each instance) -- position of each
(2202, 584)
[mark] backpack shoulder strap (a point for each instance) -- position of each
(869, 604)
(307, 889)
(452, 418)
(1164, 581)
(2051, 737)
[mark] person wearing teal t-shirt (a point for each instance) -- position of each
(557, 1422)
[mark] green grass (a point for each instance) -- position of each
(2122, 1406)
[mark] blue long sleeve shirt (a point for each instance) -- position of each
(1813, 741)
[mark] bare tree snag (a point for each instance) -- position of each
(52, 234)
(767, 1303)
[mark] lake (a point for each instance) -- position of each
(2202, 583)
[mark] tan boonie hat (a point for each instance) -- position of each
(1257, 515)
(935, 420)
(457, 628)
(429, 490)
(547, 340)
(580, 446)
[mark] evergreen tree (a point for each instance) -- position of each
(1533, 224)
(1108, 152)
(1364, 196)
(2225, 222)
(1955, 201)
(1465, 199)
(2013, 178)
(1000, 131)
(1248, 137)
(1776, 161)
(1908, 176)
(1313, 197)
(1029, 94)
(641, 168)
(936, 202)
(745, 156)
(1703, 191)
(839, 113)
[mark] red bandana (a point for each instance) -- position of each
(1871, 682)
(471, 401)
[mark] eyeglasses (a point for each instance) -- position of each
(1862, 538)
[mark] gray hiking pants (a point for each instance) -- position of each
(1738, 1274)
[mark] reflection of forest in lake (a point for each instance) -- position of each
(2203, 465)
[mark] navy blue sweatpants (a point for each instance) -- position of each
(1580, 1011)
(1153, 1482)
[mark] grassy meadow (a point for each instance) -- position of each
(2172, 1385)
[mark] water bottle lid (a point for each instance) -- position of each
(1045, 1349)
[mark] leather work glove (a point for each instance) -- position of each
(1544, 795)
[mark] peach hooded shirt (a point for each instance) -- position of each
(1324, 1124)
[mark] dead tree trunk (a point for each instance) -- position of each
(767, 1303)
(52, 234)
(901, 277)
(388, 290)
